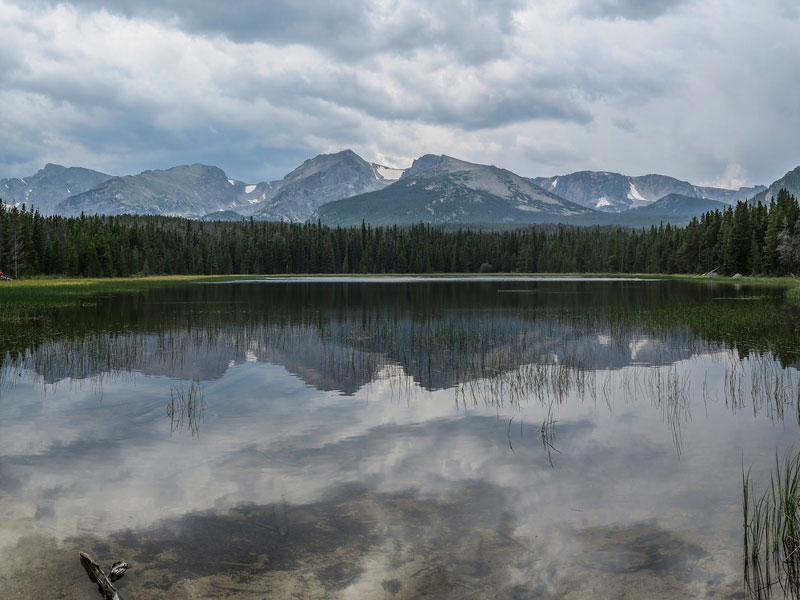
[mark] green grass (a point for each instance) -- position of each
(793, 295)
(31, 295)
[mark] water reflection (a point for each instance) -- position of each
(375, 440)
(441, 334)
(434, 330)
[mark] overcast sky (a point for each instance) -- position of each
(707, 91)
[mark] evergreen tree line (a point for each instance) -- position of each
(746, 239)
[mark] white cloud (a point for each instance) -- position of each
(732, 178)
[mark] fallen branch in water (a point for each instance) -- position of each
(103, 581)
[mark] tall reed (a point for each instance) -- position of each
(772, 530)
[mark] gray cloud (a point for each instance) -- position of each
(635, 10)
(539, 86)
(472, 30)
(489, 104)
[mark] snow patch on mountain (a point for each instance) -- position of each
(601, 202)
(634, 194)
(387, 173)
(636, 197)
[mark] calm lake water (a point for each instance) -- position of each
(394, 439)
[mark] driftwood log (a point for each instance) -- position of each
(104, 582)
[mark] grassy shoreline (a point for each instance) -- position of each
(28, 295)
(21, 295)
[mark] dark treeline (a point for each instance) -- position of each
(746, 239)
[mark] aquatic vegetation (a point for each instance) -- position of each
(772, 530)
(18, 298)
(186, 405)
(793, 295)
(548, 434)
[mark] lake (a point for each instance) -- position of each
(394, 438)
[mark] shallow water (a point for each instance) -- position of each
(394, 438)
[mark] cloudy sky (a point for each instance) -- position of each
(707, 91)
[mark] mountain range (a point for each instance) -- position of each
(343, 188)
(612, 192)
(188, 190)
(201, 191)
(443, 189)
(49, 186)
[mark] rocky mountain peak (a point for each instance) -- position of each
(324, 178)
(324, 162)
(790, 182)
(49, 186)
(425, 163)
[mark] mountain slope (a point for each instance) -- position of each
(198, 190)
(442, 189)
(730, 196)
(223, 215)
(613, 192)
(49, 186)
(678, 205)
(322, 179)
(187, 191)
(790, 182)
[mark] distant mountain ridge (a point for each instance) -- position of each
(49, 186)
(199, 190)
(443, 189)
(678, 205)
(186, 190)
(613, 192)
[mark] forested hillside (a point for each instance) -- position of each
(746, 239)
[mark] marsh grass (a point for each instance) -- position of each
(186, 406)
(772, 530)
(20, 300)
(548, 435)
